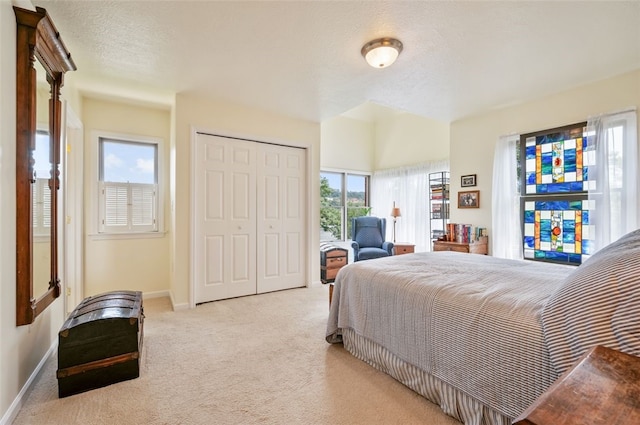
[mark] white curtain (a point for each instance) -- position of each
(506, 231)
(613, 190)
(408, 187)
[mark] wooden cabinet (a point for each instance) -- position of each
(602, 388)
(332, 259)
(479, 247)
(403, 248)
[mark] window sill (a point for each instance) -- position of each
(124, 236)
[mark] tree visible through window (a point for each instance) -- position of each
(342, 197)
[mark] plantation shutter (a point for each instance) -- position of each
(143, 205)
(41, 208)
(127, 207)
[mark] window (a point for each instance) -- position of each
(342, 197)
(554, 188)
(40, 190)
(567, 182)
(128, 176)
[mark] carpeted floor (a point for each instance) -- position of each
(253, 360)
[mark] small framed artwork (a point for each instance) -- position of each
(469, 199)
(468, 180)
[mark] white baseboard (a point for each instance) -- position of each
(175, 306)
(12, 412)
(155, 294)
(159, 294)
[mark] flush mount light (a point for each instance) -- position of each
(382, 52)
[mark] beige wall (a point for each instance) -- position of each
(23, 347)
(403, 139)
(393, 140)
(192, 112)
(114, 263)
(473, 139)
(347, 144)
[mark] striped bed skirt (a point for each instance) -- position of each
(452, 401)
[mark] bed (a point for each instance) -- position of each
(483, 337)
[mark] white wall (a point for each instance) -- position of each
(22, 348)
(473, 139)
(140, 264)
(232, 119)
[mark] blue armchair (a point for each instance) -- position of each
(368, 235)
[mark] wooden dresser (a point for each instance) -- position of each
(479, 247)
(602, 388)
(403, 248)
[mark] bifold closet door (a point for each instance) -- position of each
(249, 219)
(281, 224)
(225, 218)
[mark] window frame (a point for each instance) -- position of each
(344, 208)
(98, 231)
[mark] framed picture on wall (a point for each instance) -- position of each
(468, 180)
(469, 199)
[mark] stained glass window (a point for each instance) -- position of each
(557, 162)
(555, 208)
(557, 230)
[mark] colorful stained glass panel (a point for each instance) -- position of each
(555, 162)
(557, 230)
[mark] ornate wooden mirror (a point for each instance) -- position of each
(42, 60)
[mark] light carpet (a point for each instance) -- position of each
(260, 359)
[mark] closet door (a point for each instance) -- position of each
(281, 218)
(224, 218)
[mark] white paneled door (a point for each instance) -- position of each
(249, 218)
(281, 221)
(225, 217)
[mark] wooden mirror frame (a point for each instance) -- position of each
(37, 38)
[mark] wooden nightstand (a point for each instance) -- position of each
(602, 388)
(403, 248)
(479, 247)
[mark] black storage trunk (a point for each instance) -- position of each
(100, 343)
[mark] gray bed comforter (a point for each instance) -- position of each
(472, 321)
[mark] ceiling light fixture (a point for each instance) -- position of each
(382, 52)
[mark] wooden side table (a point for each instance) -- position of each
(403, 248)
(602, 388)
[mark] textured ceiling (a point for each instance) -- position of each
(303, 58)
